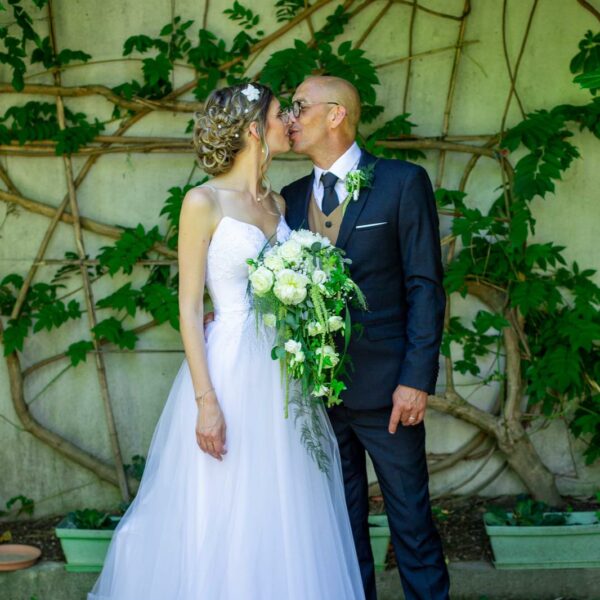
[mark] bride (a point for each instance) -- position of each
(231, 505)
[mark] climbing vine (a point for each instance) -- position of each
(541, 321)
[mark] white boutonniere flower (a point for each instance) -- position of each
(252, 93)
(357, 179)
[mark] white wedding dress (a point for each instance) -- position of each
(265, 523)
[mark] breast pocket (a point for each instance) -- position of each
(371, 226)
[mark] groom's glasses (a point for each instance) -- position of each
(297, 107)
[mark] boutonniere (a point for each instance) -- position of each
(357, 179)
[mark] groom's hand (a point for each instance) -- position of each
(409, 407)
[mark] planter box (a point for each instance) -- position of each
(574, 545)
(85, 549)
(379, 533)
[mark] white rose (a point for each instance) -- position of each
(261, 280)
(322, 390)
(335, 323)
(274, 262)
(270, 320)
(290, 251)
(290, 287)
(305, 238)
(331, 354)
(292, 346)
(319, 277)
(299, 357)
(314, 328)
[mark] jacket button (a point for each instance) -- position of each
(328, 224)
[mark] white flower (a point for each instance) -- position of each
(269, 319)
(251, 93)
(293, 347)
(298, 357)
(330, 353)
(290, 287)
(261, 280)
(335, 323)
(322, 390)
(274, 262)
(290, 251)
(319, 276)
(314, 328)
(305, 237)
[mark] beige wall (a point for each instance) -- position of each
(127, 189)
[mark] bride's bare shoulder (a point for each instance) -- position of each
(200, 202)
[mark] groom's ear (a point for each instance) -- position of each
(337, 116)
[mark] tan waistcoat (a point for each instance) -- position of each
(328, 226)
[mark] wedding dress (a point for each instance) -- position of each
(265, 523)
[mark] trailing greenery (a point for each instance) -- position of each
(558, 302)
(527, 513)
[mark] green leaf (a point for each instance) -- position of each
(162, 303)
(112, 330)
(132, 246)
(77, 352)
(125, 298)
(15, 333)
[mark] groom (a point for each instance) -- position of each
(391, 234)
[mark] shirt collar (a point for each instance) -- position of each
(343, 165)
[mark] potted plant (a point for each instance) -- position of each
(534, 537)
(379, 534)
(85, 536)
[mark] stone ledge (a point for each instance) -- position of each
(470, 581)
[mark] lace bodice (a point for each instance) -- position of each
(234, 242)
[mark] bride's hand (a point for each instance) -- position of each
(210, 428)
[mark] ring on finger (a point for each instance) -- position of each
(411, 418)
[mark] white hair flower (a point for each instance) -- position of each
(251, 93)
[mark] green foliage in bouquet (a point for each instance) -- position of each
(302, 288)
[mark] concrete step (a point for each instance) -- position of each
(470, 581)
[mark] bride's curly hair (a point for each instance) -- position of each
(220, 125)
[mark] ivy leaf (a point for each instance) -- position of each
(454, 198)
(15, 333)
(288, 9)
(162, 303)
(397, 127)
(139, 43)
(133, 245)
(112, 330)
(286, 69)
(78, 351)
(125, 298)
(157, 70)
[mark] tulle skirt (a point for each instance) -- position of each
(264, 524)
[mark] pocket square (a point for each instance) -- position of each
(369, 225)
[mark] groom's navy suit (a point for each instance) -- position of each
(391, 235)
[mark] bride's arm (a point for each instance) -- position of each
(196, 224)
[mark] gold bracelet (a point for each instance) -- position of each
(202, 395)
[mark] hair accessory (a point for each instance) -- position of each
(251, 93)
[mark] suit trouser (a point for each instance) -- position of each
(401, 469)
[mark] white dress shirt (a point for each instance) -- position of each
(341, 167)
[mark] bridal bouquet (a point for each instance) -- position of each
(302, 288)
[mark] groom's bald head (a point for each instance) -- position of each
(335, 89)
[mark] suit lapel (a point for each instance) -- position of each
(303, 216)
(354, 207)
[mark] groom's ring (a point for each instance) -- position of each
(411, 418)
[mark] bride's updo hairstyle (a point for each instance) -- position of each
(219, 130)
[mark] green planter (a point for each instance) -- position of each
(379, 533)
(84, 549)
(575, 545)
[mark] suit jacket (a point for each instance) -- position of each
(391, 234)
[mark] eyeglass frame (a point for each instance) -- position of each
(297, 107)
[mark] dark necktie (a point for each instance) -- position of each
(330, 199)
